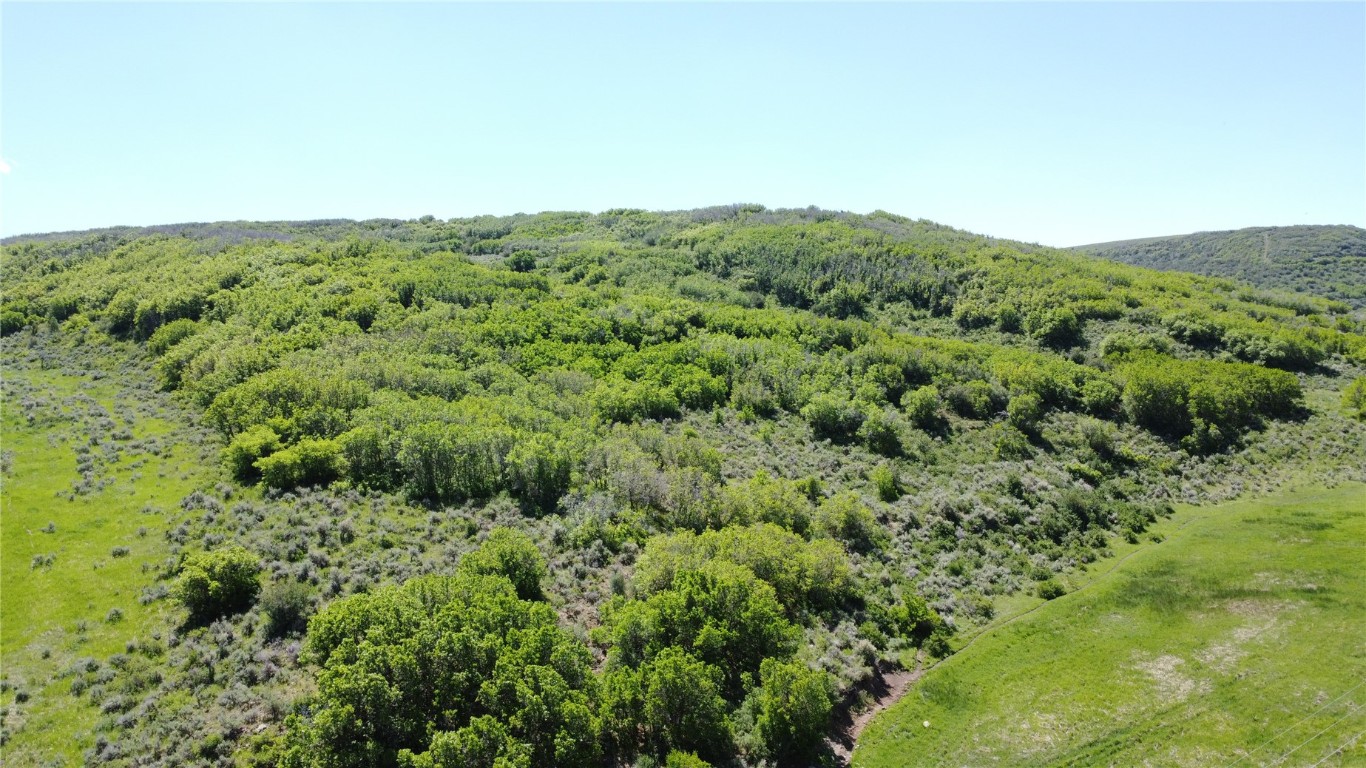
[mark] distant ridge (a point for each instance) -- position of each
(1328, 261)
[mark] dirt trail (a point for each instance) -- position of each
(887, 689)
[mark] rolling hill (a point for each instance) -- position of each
(1328, 261)
(588, 489)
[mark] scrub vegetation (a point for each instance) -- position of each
(567, 489)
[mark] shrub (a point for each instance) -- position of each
(975, 399)
(247, 448)
(1050, 589)
(886, 482)
(308, 462)
(833, 417)
(513, 555)
(218, 583)
(846, 518)
(922, 407)
(286, 605)
(170, 334)
(1354, 398)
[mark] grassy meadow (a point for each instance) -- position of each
(1239, 640)
(94, 468)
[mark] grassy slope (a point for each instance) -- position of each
(1327, 261)
(1241, 636)
(58, 613)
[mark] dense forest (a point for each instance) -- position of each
(1326, 261)
(634, 488)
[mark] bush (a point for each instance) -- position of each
(1050, 589)
(247, 448)
(1354, 398)
(286, 605)
(846, 518)
(922, 407)
(513, 555)
(886, 482)
(308, 462)
(218, 583)
(833, 417)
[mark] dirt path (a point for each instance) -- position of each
(887, 689)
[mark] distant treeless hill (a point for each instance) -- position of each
(1328, 261)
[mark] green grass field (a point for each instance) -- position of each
(1239, 640)
(74, 564)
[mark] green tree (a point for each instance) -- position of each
(792, 708)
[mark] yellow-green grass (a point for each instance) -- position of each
(51, 615)
(1239, 640)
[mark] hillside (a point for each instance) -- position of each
(575, 489)
(1328, 261)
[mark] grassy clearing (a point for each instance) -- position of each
(94, 470)
(1237, 640)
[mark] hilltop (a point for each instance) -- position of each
(587, 489)
(1328, 261)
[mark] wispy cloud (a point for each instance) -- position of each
(4, 166)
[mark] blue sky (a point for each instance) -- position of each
(1055, 123)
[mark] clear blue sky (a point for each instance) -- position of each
(1056, 123)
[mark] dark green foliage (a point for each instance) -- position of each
(1059, 328)
(512, 555)
(522, 261)
(792, 708)
(462, 654)
(976, 399)
(218, 583)
(669, 702)
(1195, 397)
(12, 322)
(1050, 589)
(720, 613)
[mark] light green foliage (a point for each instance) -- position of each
(678, 759)
(1024, 412)
(218, 582)
(805, 575)
(247, 448)
(307, 462)
(922, 407)
(512, 555)
(642, 367)
(721, 613)
(1354, 398)
(885, 482)
(845, 517)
